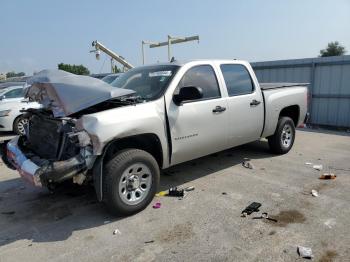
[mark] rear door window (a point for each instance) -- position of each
(202, 76)
(237, 79)
(15, 93)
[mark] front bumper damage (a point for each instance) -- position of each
(41, 172)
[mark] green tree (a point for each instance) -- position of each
(333, 49)
(75, 69)
(117, 69)
(14, 74)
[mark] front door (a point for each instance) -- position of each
(198, 128)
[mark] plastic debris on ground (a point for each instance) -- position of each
(190, 188)
(330, 222)
(175, 192)
(162, 193)
(305, 252)
(314, 193)
(116, 232)
(266, 216)
(157, 205)
(308, 163)
(253, 207)
(247, 164)
(318, 167)
(328, 176)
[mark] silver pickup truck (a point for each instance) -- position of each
(120, 136)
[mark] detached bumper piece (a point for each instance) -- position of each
(41, 172)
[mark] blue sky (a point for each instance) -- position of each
(39, 34)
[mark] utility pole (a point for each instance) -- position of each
(171, 40)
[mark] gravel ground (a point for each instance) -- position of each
(71, 225)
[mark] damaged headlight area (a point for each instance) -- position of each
(52, 151)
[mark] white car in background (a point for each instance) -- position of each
(11, 103)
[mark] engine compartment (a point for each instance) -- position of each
(50, 138)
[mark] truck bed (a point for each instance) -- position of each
(265, 86)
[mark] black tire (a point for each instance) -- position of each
(276, 142)
(16, 128)
(114, 172)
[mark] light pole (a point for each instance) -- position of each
(143, 49)
(174, 40)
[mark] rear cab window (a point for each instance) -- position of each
(202, 76)
(237, 79)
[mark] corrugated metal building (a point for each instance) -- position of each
(329, 79)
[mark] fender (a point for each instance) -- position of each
(97, 169)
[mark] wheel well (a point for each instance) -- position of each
(147, 142)
(292, 112)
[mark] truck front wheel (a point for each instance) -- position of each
(283, 138)
(130, 181)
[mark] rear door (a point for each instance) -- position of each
(198, 127)
(245, 105)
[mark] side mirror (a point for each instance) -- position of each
(2, 97)
(188, 93)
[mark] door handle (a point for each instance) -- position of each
(255, 102)
(219, 109)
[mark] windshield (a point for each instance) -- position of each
(3, 91)
(149, 82)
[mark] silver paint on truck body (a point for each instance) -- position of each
(187, 131)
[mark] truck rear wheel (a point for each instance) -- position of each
(283, 138)
(130, 181)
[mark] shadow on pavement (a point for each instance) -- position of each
(37, 215)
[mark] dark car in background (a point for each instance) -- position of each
(110, 78)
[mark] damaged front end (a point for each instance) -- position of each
(52, 151)
(54, 148)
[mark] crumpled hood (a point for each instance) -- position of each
(65, 93)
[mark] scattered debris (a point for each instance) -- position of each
(149, 242)
(30, 245)
(224, 193)
(162, 193)
(305, 252)
(308, 163)
(253, 207)
(190, 188)
(328, 176)
(157, 205)
(266, 216)
(247, 164)
(8, 212)
(330, 223)
(174, 191)
(314, 193)
(116, 232)
(318, 167)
